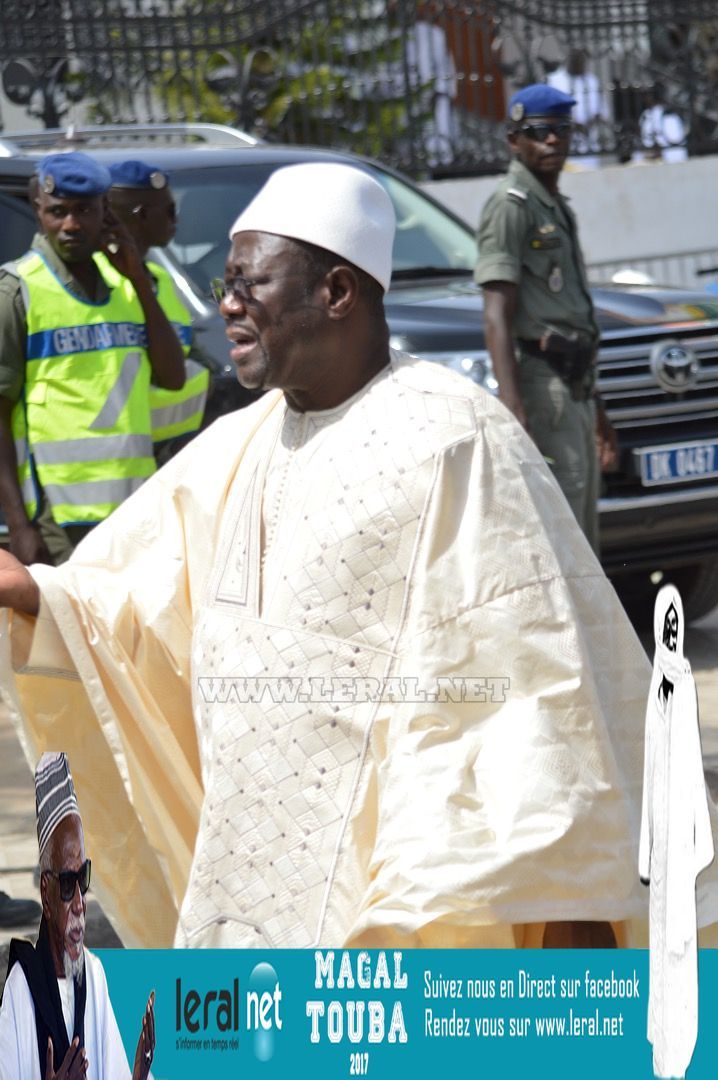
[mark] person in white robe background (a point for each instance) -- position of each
(430, 62)
(591, 114)
(211, 654)
(56, 1017)
(676, 842)
(662, 132)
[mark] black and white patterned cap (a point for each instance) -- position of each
(55, 797)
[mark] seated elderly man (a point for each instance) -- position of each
(56, 1018)
(345, 671)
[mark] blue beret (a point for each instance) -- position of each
(137, 174)
(72, 175)
(539, 100)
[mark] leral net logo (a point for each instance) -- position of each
(264, 998)
(226, 1018)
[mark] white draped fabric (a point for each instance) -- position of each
(210, 659)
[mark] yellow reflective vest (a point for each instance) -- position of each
(82, 425)
(173, 412)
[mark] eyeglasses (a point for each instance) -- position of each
(70, 879)
(541, 132)
(239, 288)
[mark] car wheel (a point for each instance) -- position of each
(698, 586)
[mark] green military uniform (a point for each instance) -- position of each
(528, 237)
(174, 413)
(18, 346)
(13, 334)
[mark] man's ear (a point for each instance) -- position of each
(513, 141)
(343, 286)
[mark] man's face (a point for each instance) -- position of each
(576, 63)
(544, 156)
(274, 325)
(65, 918)
(154, 217)
(72, 226)
(670, 629)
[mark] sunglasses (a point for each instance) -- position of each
(70, 879)
(239, 288)
(541, 132)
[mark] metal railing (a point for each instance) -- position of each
(422, 84)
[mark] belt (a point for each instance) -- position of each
(577, 354)
(573, 367)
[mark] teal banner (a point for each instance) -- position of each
(411, 1014)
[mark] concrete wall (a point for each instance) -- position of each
(638, 215)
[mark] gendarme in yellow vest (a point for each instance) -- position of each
(82, 426)
(172, 412)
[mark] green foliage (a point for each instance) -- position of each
(328, 80)
(339, 85)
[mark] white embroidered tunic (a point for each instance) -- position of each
(346, 677)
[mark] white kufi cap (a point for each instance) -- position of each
(336, 207)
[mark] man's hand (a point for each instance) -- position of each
(516, 406)
(17, 586)
(164, 349)
(121, 250)
(146, 1042)
(74, 1064)
(27, 544)
(606, 441)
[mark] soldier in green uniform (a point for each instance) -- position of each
(76, 359)
(540, 326)
(141, 199)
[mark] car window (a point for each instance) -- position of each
(209, 200)
(426, 236)
(17, 227)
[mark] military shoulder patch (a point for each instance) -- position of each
(517, 193)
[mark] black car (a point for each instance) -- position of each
(658, 369)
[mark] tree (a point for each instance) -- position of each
(297, 71)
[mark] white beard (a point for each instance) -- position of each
(74, 969)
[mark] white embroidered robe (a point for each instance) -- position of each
(413, 533)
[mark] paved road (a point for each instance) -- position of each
(18, 850)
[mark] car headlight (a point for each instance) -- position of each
(476, 364)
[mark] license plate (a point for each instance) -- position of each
(677, 464)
